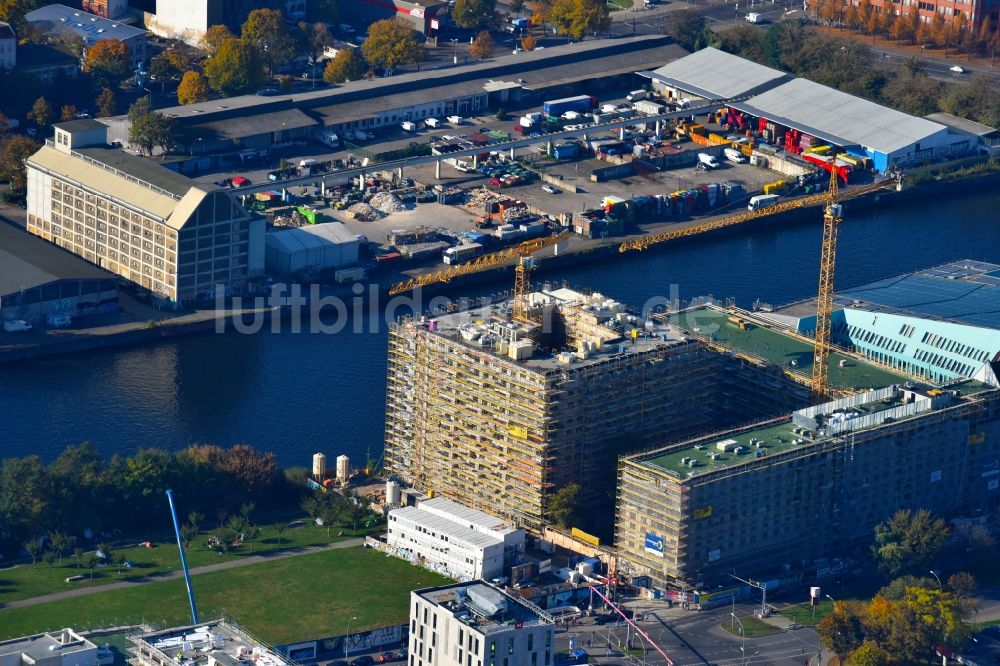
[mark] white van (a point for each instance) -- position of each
(408, 126)
(753, 17)
(734, 155)
(432, 122)
(328, 138)
(710, 161)
(455, 120)
(636, 95)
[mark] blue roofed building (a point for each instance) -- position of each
(941, 323)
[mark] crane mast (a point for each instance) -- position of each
(824, 297)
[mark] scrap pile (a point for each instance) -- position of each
(365, 213)
(387, 203)
(483, 199)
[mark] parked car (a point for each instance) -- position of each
(16, 325)
(549, 189)
(958, 69)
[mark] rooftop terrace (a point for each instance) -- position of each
(792, 353)
(209, 644)
(485, 608)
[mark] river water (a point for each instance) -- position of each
(298, 393)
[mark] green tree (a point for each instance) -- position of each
(896, 590)
(222, 540)
(234, 69)
(13, 12)
(482, 46)
(90, 561)
(577, 18)
(25, 488)
(265, 31)
(391, 43)
(688, 28)
(474, 13)
(562, 505)
(193, 88)
(313, 38)
(842, 631)
(15, 150)
(196, 518)
(279, 531)
(343, 67)
(909, 541)
(188, 534)
(59, 542)
(49, 557)
(41, 112)
(107, 106)
(162, 68)
(109, 60)
(33, 548)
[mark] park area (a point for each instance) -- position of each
(294, 598)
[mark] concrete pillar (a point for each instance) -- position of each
(621, 133)
(548, 148)
(512, 152)
(399, 174)
(437, 169)
(284, 194)
(659, 127)
(475, 161)
(322, 188)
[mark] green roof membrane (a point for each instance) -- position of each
(793, 354)
(775, 439)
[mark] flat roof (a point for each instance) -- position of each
(962, 124)
(714, 74)
(81, 125)
(90, 27)
(27, 261)
(838, 117)
(759, 442)
(467, 516)
(793, 354)
(446, 527)
(224, 642)
(462, 598)
(252, 125)
(40, 647)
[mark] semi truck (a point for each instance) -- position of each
(762, 201)
(581, 103)
(460, 253)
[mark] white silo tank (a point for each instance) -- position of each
(393, 493)
(343, 468)
(319, 466)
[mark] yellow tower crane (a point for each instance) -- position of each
(832, 212)
(522, 288)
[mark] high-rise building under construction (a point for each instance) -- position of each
(498, 414)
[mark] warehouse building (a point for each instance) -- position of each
(941, 323)
(132, 217)
(713, 75)
(317, 247)
(780, 495)
(39, 281)
(454, 540)
(986, 138)
(890, 138)
(90, 28)
(476, 623)
(498, 415)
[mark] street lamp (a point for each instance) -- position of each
(454, 50)
(938, 579)
(347, 639)
(743, 636)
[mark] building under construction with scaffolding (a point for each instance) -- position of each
(781, 494)
(497, 414)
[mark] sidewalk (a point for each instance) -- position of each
(208, 568)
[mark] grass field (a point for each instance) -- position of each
(803, 613)
(25, 581)
(752, 627)
(309, 596)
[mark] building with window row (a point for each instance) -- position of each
(154, 227)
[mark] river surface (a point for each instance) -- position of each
(298, 393)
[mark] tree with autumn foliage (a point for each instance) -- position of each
(234, 69)
(215, 37)
(529, 43)
(193, 88)
(109, 60)
(13, 152)
(577, 18)
(482, 46)
(265, 31)
(390, 44)
(346, 66)
(107, 105)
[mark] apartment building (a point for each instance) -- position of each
(476, 624)
(781, 494)
(177, 238)
(91, 28)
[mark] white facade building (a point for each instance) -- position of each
(476, 624)
(458, 541)
(62, 648)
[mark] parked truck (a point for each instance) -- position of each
(460, 253)
(762, 201)
(557, 107)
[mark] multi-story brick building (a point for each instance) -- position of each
(155, 227)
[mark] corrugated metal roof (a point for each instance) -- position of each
(464, 514)
(962, 124)
(261, 123)
(443, 526)
(312, 237)
(715, 74)
(100, 179)
(839, 117)
(90, 27)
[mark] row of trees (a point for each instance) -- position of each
(82, 492)
(848, 65)
(908, 26)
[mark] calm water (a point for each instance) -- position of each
(300, 393)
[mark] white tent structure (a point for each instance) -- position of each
(317, 247)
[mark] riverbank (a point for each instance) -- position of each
(576, 252)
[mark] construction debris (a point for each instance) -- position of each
(387, 203)
(365, 213)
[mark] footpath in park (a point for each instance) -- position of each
(171, 575)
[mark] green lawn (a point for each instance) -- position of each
(281, 601)
(752, 627)
(803, 613)
(25, 581)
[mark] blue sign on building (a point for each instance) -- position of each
(654, 544)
